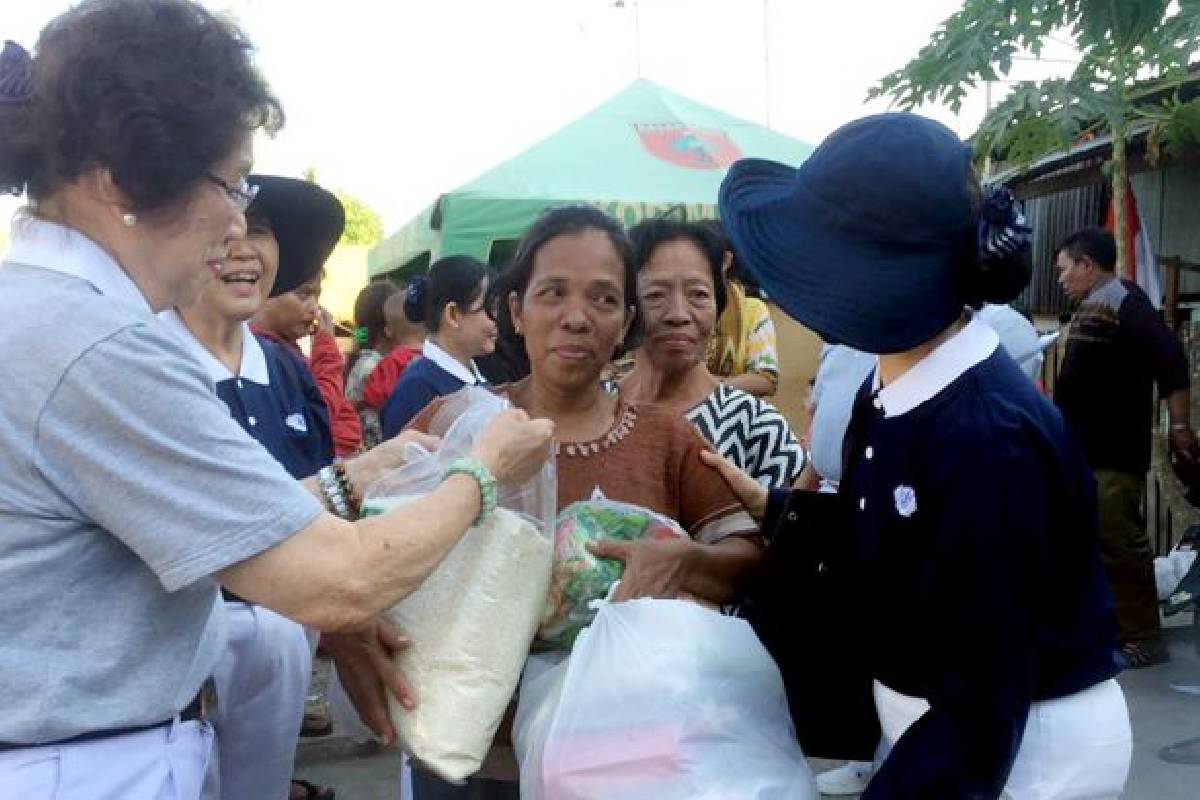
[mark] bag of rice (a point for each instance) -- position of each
(473, 619)
(580, 577)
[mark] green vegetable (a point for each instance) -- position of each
(580, 577)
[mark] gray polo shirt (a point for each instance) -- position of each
(125, 485)
(843, 371)
(840, 375)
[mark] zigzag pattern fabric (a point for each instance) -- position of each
(751, 433)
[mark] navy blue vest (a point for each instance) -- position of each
(288, 417)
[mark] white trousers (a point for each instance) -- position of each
(164, 763)
(262, 682)
(348, 723)
(1074, 748)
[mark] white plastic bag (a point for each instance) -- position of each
(537, 702)
(1170, 569)
(472, 621)
(660, 700)
(1164, 577)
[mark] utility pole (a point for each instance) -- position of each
(766, 66)
(637, 33)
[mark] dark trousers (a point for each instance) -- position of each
(427, 786)
(1127, 555)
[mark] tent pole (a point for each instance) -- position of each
(766, 67)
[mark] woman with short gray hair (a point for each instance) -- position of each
(129, 494)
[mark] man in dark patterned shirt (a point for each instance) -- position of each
(1116, 348)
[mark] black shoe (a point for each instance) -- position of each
(1150, 653)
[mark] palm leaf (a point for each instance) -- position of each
(1039, 117)
(968, 46)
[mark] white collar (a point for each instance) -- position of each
(933, 373)
(438, 355)
(254, 360)
(48, 245)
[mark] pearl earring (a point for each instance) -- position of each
(129, 219)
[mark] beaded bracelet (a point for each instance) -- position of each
(488, 493)
(334, 496)
(349, 492)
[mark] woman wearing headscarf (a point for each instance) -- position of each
(970, 509)
(129, 495)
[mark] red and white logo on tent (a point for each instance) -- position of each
(689, 147)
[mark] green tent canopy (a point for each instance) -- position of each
(646, 151)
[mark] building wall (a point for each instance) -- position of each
(1053, 218)
(1168, 198)
(799, 351)
(1168, 202)
(345, 276)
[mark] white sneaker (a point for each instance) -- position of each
(850, 778)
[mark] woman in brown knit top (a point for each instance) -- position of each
(568, 302)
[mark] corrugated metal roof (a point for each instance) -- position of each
(1184, 89)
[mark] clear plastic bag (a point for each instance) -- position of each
(581, 578)
(473, 619)
(459, 423)
(659, 700)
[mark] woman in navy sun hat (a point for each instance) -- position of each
(966, 516)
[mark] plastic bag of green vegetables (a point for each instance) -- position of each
(580, 577)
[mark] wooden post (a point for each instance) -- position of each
(1171, 290)
(1120, 186)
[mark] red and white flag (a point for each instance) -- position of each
(1143, 265)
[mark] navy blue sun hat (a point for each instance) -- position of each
(307, 221)
(865, 242)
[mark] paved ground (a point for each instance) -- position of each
(1164, 703)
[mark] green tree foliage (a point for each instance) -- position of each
(1134, 56)
(363, 223)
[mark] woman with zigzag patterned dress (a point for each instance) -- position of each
(682, 293)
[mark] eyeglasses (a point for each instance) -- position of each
(242, 195)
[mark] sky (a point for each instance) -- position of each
(398, 101)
